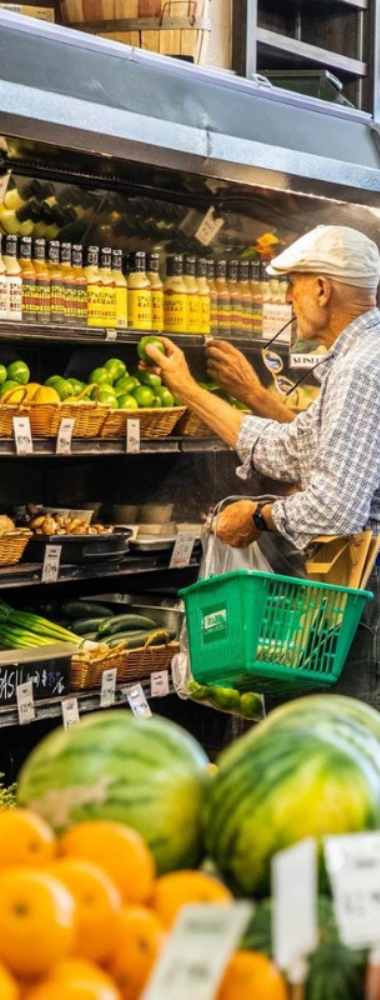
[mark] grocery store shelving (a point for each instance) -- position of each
(90, 447)
(88, 701)
(29, 574)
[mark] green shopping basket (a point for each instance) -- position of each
(279, 634)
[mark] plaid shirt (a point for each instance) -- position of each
(332, 449)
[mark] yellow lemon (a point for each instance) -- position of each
(46, 395)
(30, 390)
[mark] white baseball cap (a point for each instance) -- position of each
(336, 251)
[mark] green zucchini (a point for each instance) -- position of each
(85, 609)
(134, 640)
(126, 623)
(82, 626)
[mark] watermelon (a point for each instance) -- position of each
(311, 769)
(150, 774)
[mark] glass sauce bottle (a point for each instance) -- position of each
(139, 294)
(13, 278)
(70, 292)
(175, 296)
(192, 300)
(80, 283)
(57, 288)
(108, 289)
(210, 274)
(28, 279)
(94, 288)
(120, 290)
(157, 287)
(204, 296)
(3, 285)
(223, 299)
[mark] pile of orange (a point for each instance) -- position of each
(84, 917)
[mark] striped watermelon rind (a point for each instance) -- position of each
(149, 774)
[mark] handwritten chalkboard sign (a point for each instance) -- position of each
(50, 678)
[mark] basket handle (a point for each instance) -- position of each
(7, 395)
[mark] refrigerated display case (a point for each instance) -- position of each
(147, 149)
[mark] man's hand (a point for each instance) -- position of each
(229, 367)
(173, 367)
(234, 525)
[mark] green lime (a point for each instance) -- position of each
(144, 343)
(127, 402)
(95, 392)
(3, 374)
(9, 384)
(52, 380)
(99, 375)
(225, 698)
(251, 705)
(76, 385)
(107, 398)
(18, 371)
(116, 369)
(126, 384)
(144, 396)
(149, 378)
(236, 403)
(198, 691)
(63, 388)
(165, 397)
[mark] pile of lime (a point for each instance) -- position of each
(13, 375)
(246, 704)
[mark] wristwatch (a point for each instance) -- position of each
(258, 518)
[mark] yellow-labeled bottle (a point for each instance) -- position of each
(57, 288)
(192, 302)
(175, 296)
(257, 301)
(19, 221)
(42, 281)
(68, 278)
(245, 299)
(204, 295)
(139, 293)
(210, 274)
(120, 320)
(28, 277)
(3, 285)
(13, 277)
(108, 291)
(223, 299)
(80, 283)
(157, 287)
(235, 304)
(94, 288)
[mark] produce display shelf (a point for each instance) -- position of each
(46, 447)
(30, 574)
(88, 701)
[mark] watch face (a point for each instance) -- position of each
(259, 521)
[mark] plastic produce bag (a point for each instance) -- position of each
(219, 559)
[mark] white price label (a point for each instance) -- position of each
(208, 228)
(193, 961)
(25, 702)
(50, 567)
(133, 437)
(294, 889)
(304, 360)
(137, 701)
(111, 334)
(353, 864)
(70, 712)
(182, 550)
(108, 688)
(159, 683)
(64, 436)
(22, 435)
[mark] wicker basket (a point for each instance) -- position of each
(7, 413)
(12, 545)
(44, 419)
(154, 423)
(191, 425)
(131, 664)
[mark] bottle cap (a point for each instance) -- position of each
(39, 249)
(201, 267)
(153, 262)
(137, 261)
(220, 268)
(91, 256)
(189, 265)
(243, 270)
(174, 265)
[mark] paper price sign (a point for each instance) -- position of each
(183, 548)
(294, 888)
(22, 435)
(353, 864)
(64, 436)
(159, 683)
(108, 688)
(50, 567)
(137, 701)
(70, 712)
(25, 702)
(111, 334)
(133, 437)
(304, 360)
(193, 961)
(208, 228)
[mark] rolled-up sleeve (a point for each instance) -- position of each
(268, 447)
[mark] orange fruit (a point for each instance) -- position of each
(118, 849)
(37, 920)
(138, 942)
(176, 889)
(83, 989)
(8, 988)
(251, 974)
(98, 901)
(71, 969)
(25, 839)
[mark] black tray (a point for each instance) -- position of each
(80, 549)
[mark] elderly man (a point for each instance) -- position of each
(332, 449)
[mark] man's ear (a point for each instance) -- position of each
(324, 289)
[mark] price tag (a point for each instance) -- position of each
(133, 437)
(50, 567)
(208, 228)
(159, 683)
(294, 888)
(193, 961)
(182, 550)
(22, 435)
(70, 712)
(111, 334)
(304, 360)
(353, 864)
(25, 702)
(64, 436)
(108, 688)
(137, 701)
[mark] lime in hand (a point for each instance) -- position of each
(144, 343)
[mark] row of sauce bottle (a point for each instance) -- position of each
(61, 283)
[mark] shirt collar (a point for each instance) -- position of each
(346, 340)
